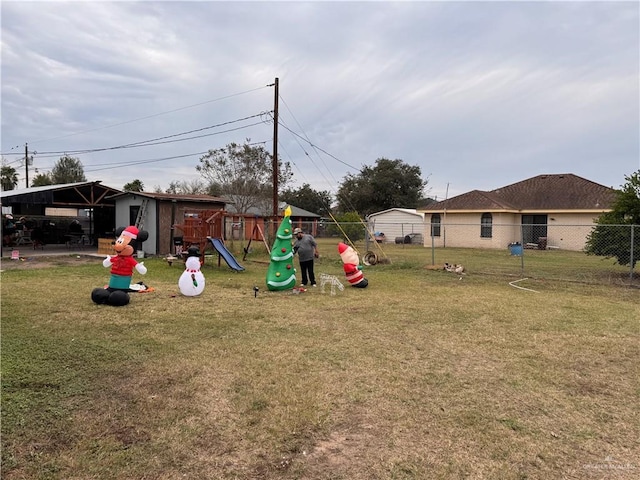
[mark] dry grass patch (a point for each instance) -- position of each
(421, 375)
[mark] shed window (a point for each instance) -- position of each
(486, 225)
(133, 213)
(435, 225)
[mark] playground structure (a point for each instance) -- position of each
(204, 229)
(211, 230)
(198, 227)
(223, 252)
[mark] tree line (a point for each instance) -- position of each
(243, 174)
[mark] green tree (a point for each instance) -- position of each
(388, 184)
(8, 177)
(67, 170)
(134, 186)
(214, 189)
(349, 227)
(611, 237)
(308, 199)
(41, 180)
(244, 174)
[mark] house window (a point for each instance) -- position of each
(435, 225)
(486, 225)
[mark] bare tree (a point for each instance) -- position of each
(244, 174)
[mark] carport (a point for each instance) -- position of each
(54, 207)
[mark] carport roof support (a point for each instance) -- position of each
(80, 194)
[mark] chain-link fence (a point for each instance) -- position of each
(583, 253)
(597, 254)
(571, 252)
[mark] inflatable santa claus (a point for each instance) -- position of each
(352, 268)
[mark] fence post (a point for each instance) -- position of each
(631, 257)
(433, 246)
(522, 243)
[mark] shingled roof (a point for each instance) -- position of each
(545, 192)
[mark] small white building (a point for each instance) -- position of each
(397, 223)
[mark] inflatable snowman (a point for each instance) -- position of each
(191, 282)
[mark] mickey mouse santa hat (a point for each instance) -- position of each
(131, 232)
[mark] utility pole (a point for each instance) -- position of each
(26, 164)
(275, 153)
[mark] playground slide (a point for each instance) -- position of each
(226, 254)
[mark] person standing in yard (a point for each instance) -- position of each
(8, 231)
(307, 249)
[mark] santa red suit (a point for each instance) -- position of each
(351, 266)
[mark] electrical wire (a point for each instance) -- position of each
(307, 139)
(143, 162)
(317, 147)
(345, 200)
(111, 165)
(157, 141)
(153, 115)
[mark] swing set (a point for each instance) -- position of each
(254, 234)
(371, 257)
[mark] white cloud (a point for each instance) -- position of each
(479, 95)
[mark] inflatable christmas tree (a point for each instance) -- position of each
(281, 275)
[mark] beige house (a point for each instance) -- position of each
(547, 211)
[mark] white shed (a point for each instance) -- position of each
(397, 223)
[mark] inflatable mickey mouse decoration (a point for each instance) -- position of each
(122, 265)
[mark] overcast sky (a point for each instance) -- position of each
(479, 95)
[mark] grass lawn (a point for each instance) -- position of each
(422, 375)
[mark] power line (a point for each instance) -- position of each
(142, 162)
(308, 141)
(110, 165)
(317, 147)
(300, 170)
(151, 116)
(148, 143)
(17, 160)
